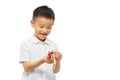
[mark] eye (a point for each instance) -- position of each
(41, 26)
(49, 27)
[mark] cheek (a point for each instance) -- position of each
(37, 30)
(49, 31)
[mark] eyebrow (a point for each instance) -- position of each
(41, 25)
(45, 25)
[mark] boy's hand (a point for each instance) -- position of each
(48, 58)
(58, 56)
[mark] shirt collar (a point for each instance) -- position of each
(37, 41)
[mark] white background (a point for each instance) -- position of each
(86, 31)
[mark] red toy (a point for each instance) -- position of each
(50, 54)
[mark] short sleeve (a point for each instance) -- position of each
(24, 53)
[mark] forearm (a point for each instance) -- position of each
(56, 67)
(29, 66)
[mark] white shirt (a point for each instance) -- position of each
(33, 49)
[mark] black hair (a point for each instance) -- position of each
(43, 11)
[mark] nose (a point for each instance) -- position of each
(44, 30)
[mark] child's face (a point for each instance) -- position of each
(42, 26)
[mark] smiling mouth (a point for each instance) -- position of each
(43, 34)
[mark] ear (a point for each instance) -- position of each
(32, 23)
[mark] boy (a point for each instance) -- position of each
(38, 54)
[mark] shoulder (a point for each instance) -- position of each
(27, 42)
(52, 43)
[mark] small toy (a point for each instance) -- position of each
(51, 55)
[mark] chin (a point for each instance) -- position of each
(42, 39)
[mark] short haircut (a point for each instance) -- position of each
(43, 11)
